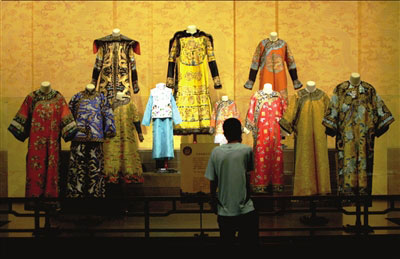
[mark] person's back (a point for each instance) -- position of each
(230, 163)
(228, 170)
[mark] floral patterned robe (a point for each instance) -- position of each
(44, 119)
(262, 119)
(356, 115)
(222, 110)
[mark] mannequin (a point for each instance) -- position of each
(160, 86)
(310, 86)
(120, 96)
(355, 79)
(162, 112)
(90, 87)
(116, 32)
(191, 29)
(273, 36)
(224, 98)
(267, 88)
(45, 87)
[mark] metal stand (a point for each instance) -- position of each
(202, 234)
(313, 220)
(358, 228)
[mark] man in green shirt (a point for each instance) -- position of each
(228, 170)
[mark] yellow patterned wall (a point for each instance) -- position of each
(52, 41)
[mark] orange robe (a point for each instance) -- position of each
(269, 58)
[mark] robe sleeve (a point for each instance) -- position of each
(136, 118)
(382, 115)
(98, 65)
(108, 118)
(172, 64)
(291, 65)
(176, 117)
(147, 112)
(68, 124)
(214, 116)
(284, 105)
(21, 123)
(72, 105)
(288, 122)
(255, 65)
(331, 118)
(212, 63)
(132, 67)
(250, 118)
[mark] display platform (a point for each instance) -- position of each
(158, 184)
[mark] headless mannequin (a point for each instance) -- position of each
(311, 86)
(191, 29)
(90, 87)
(267, 88)
(273, 36)
(116, 32)
(355, 79)
(162, 162)
(120, 96)
(224, 98)
(45, 87)
(160, 86)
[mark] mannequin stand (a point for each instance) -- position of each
(162, 166)
(358, 228)
(314, 220)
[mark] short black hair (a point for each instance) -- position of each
(232, 129)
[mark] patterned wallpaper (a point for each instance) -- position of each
(52, 41)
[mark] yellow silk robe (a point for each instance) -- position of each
(188, 75)
(304, 117)
(121, 156)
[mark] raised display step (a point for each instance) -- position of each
(167, 184)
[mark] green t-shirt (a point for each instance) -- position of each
(229, 164)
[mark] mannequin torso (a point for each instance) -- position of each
(355, 79)
(273, 36)
(191, 29)
(90, 87)
(120, 96)
(267, 88)
(45, 87)
(160, 86)
(116, 32)
(310, 86)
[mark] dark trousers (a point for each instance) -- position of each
(246, 225)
